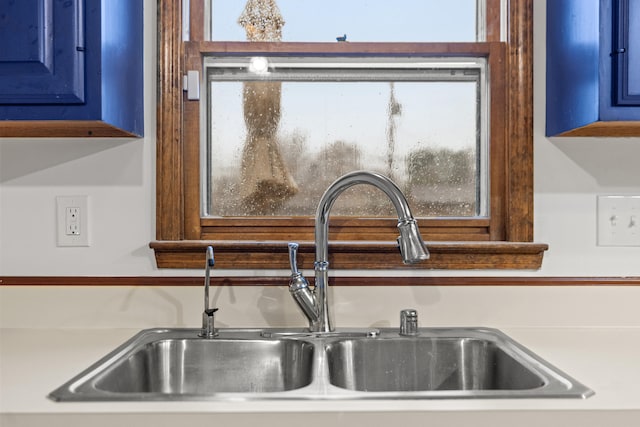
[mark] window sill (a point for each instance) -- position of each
(243, 255)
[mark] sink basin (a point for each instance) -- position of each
(192, 366)
(426, 364)
(446, 363)
(177, 365)
(248, 364)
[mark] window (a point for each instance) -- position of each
(489, 227)
(363, 20)
(280, 135)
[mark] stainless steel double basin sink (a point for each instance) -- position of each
(252, 364)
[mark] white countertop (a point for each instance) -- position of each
(34, 362)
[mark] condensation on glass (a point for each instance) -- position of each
(281, 129)
(359, 20)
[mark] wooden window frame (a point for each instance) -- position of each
(503, 241)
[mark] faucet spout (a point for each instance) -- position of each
(411, 245)
(208, 326)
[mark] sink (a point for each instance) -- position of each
(427, 364)
(178, 365)
(192, 366)
(250, 364)
(446, 363)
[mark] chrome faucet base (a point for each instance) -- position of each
(208, 324)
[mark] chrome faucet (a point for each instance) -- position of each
(315, 305)
(208, 320)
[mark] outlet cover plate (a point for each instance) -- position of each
(79, 204)
(618, 220)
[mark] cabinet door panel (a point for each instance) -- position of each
(627, 53)
(42, 55)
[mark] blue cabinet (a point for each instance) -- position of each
(626, 52)
(42, 63)
(71, 68)
(593, 68)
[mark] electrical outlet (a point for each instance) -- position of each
(72, 219)
(618, 220)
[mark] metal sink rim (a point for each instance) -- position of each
(557, 384)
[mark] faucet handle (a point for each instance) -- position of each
(293, 258)
(299, 287)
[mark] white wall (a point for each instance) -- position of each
(569, 174)
(119, 178)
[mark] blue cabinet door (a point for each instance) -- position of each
(76, 65)
(42, 52)
(593, 68)
(626, 53)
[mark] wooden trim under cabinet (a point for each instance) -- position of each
(61, 128)
(606, 129)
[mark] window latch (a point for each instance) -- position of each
(191, 85)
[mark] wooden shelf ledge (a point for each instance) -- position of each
(350, 255)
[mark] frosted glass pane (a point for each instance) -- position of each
(276, 146)
(358, 20)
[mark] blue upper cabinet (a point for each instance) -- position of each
(593, 68)
(43, 63)
(626, 52)
(71, 68)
